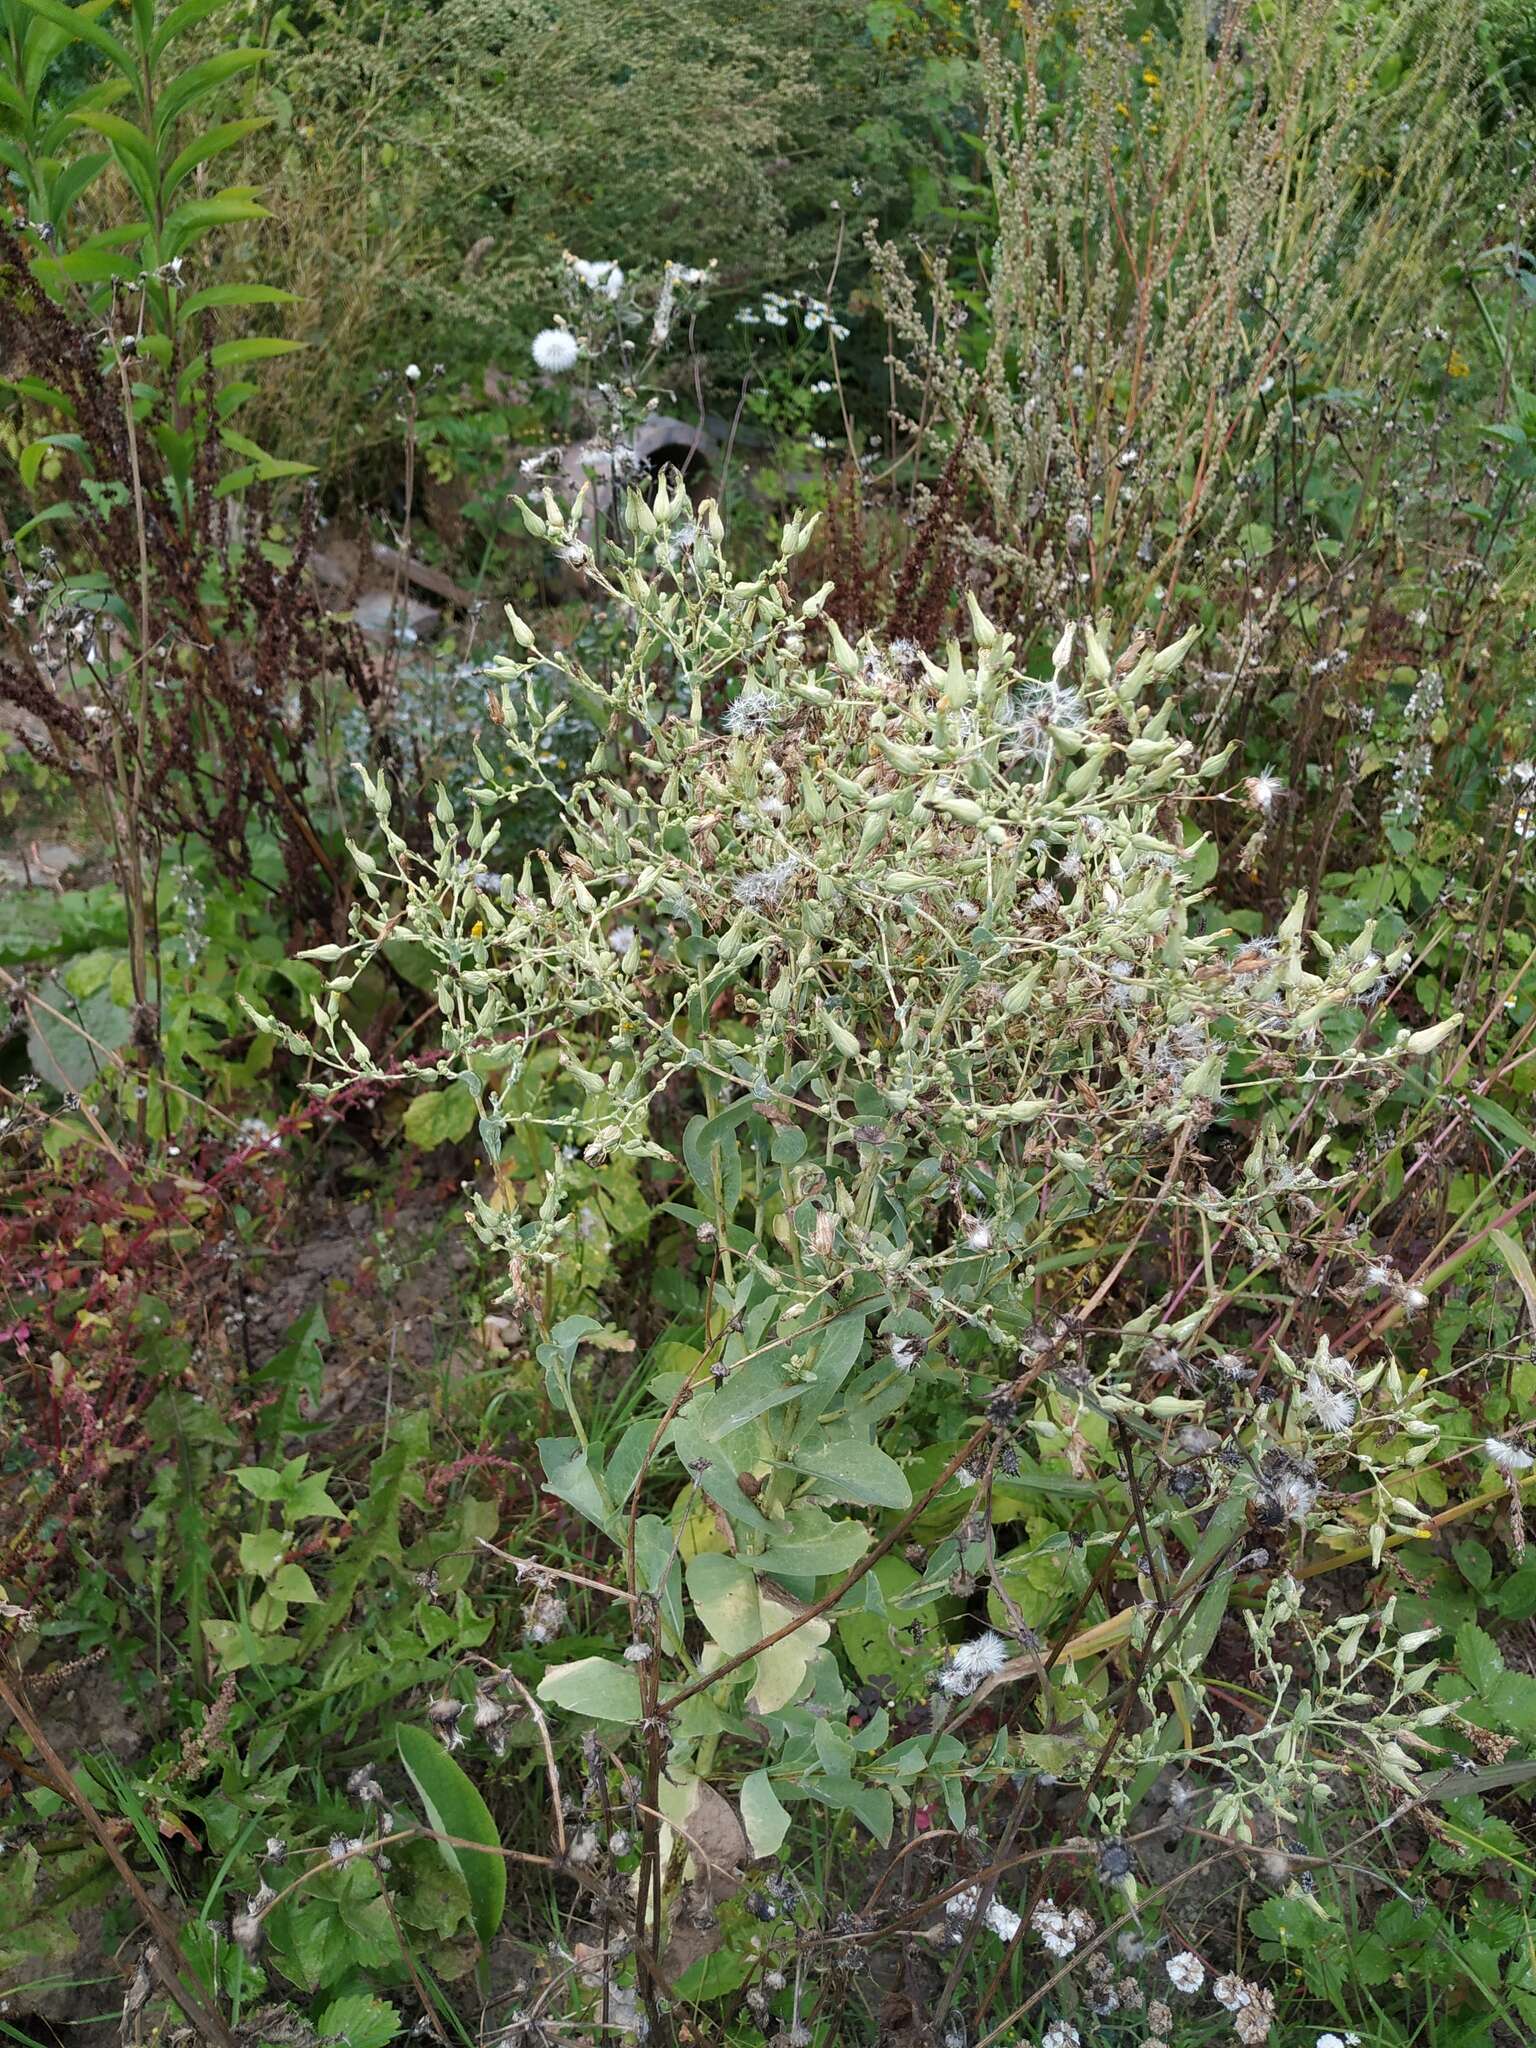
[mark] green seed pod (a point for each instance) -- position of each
(841, 1037)
(1095, 660)
(842, 654)
(1086, 777)
(638, 516)
(910, 760)
(1164, 663)
(531, 519)
(981, 625)
(874, 831)
(962, 808)
(1020, 994)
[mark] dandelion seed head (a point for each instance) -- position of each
(754, 712)
(555, 350)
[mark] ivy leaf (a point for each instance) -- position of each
(309, 1497)
(292, 1583)
(455, 1808)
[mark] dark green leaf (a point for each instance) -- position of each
(455, 1808)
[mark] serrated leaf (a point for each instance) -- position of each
(454, 1807)
(1478, 1657)
(359, 2021)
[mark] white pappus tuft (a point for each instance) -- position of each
(555, 350)
(971, 1663)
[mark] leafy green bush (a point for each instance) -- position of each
(908, 963)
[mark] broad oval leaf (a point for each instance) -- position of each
(762, 1815)
(597, 1686)
(455, 1808)
(855, 1471)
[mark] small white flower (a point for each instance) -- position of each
(1003, 1923)
(604, 277)
(1060, 2034)
(621, 938)
(1186, 1972)
(555, 351)
(1509, 1458)
(1060, 1932)
(413, 373)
